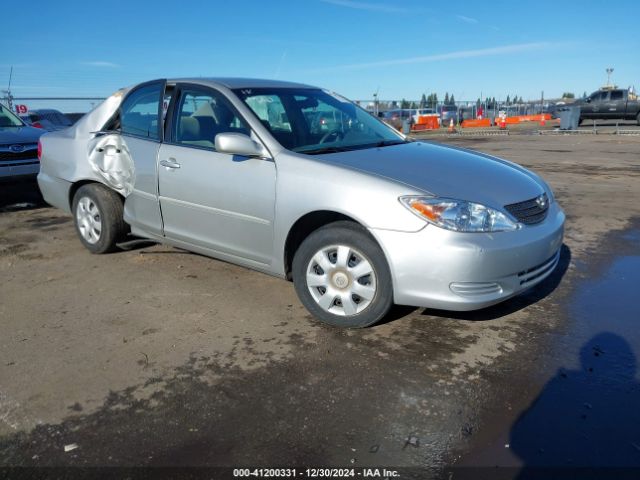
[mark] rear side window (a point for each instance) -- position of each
(139, 112)
(616, 95)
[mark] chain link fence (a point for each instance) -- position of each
(467, 108)
(75, 107)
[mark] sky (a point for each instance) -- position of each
(395, 48)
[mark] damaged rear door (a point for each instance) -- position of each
(126, 155)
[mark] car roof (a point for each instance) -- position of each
(233, 82)
(45, 110)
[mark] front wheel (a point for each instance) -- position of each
(341, 276)
(98, 217)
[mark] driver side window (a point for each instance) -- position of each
(203, 115)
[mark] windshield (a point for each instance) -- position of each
(8, 119)
(309, 120)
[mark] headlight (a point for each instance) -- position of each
(459, 215)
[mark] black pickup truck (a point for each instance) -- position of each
(610, 104)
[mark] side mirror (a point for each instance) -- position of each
(239, 144)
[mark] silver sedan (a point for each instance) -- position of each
(298, 182)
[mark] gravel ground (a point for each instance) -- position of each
(154, 356)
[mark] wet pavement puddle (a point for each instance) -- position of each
(590, 414)
(587, 414)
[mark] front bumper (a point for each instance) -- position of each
(437, 268)
(18, 169)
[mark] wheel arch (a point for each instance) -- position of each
(75, 186)
(306, 225)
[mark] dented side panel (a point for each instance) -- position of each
(124, 163)
(76, 154)
(110, 159)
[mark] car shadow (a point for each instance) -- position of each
(133, 243)
(584, 418)
(20, 195)
(512, 305)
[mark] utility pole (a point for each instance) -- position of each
(7, 92)
(609, 72)
(375, 101)
(542, 102)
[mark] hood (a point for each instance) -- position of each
(14, 135)
(446, 172)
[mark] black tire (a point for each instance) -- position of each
(110, 208)
(353, 236)
(638, 119)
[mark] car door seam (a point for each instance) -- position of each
(218, 211)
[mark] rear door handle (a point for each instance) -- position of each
(170, 164)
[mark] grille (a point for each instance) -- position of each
(531, 211)
(30, 153)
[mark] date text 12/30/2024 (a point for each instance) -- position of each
(315, 473)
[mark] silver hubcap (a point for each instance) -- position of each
(89, 220)
(341, 280)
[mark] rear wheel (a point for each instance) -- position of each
(341, 276)
(98, 217)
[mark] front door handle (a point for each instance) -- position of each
(170, 164)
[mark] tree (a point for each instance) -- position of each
(452, 100)
(568, 95)
(508, 101)
(584, 95)
(446, 98)
(404, 104)
(423, 101)
(432, 100)
(413, 105)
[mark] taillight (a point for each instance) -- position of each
(39, 150)
(37, 125)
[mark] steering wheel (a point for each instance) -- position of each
(333, 133)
